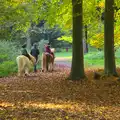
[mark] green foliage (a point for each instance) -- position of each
(64, 54)
(95, 55)
(18, 14)
(8, 54)
(117, 53)
(94, 59)
(66, 38)
(3, 57)
(9, 49)
(96, 35)
(7, 68)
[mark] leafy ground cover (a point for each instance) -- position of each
(49, 96)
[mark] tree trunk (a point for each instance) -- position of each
(77, 69)
(28, 40)
(85, 44)
(109, 63)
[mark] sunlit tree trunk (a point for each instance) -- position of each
(28, 43)
(28, 40)
(77, 69)
(109, 64)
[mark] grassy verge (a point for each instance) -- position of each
(92, 59)
(63, 54)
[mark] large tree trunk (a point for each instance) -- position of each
(77, 69)
(109, 66)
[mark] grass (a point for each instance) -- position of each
(63, 54)
(92, 59)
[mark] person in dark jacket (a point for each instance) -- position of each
(35, 52)
(24, 51)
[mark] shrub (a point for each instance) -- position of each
(8, 54)
(3, 57)
(95, 55)
(7, 68)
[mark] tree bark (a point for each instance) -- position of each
(77, 69)
(109, 63)
(28, 41)
(85, 44)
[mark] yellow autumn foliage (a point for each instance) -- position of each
(98, 39)
(101, 4)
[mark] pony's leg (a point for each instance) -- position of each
(42, 66)
(27, 71)
(45, 66)
(43, 62)
(19, 73)
(20, 70)
(48, 67)
(51, 67)
(52, 64)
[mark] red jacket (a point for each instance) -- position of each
(47, 49)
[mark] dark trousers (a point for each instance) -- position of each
(35, 66)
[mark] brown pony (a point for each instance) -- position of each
(24, 64)
(48, 61)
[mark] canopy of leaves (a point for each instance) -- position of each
(19, 14)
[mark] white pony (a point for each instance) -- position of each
(24, 64)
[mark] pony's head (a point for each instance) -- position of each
(53, 50)
(32, 59)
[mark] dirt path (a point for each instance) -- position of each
(63, 62)
(62, 59)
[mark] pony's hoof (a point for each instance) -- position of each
(26, 74)
(42, 70)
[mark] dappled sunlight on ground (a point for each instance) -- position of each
(49, 96)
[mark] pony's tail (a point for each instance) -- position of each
(19, 64)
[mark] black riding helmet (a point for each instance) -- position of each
(35, 44)
(48, 44)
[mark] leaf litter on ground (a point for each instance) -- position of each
(49, 96)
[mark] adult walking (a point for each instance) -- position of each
(35, 52)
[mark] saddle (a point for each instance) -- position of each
(48, 54)
(28, 56)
